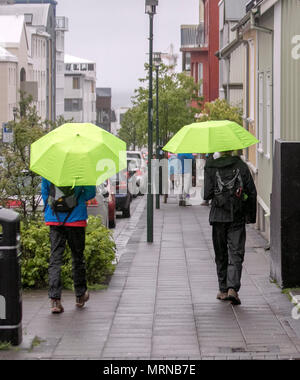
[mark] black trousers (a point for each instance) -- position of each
(229, 244)
(75, 236)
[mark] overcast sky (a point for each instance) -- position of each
(114, 33)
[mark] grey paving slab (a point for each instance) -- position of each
(161, 302)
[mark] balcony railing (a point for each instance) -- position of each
(252, 4)
(193, 36)
(62, 23)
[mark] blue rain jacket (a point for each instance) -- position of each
(83, 193)
(186, 162)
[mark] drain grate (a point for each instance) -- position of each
(249, 349)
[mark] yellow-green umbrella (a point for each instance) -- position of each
(209, 137)
(78, 154)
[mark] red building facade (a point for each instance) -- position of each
(199, 43)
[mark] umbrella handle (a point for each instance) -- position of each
(74, 181)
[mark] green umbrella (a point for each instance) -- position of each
(78, 154)
(210, 137)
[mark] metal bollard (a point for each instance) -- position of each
(10, 278)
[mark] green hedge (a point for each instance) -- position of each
(35, 248)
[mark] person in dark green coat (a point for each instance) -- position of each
(228, 183)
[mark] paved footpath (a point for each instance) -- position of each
(161, 303)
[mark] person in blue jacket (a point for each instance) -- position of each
(67, 227)
(186, 170)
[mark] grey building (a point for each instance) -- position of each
(270, 33)
(231, 51)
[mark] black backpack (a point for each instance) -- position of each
(62, 199)
(229, 190)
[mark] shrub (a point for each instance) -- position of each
(221, 110)
(35, 246)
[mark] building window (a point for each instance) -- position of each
(200, 78)
(68, 67)
(28, 18)
(84, 67)
(22, 75)
(76, 83)
(73, 105)
(260, 111)
(187, 62)
(252, 81)
(91, 67)
(269, 91)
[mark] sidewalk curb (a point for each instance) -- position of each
(124, 237)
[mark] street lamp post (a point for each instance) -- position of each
(150, 9)
(157, 62)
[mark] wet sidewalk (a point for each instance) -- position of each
(161, 303)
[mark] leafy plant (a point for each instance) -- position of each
(220, 109)
(5, 346)
(35, 246)
(17, 182)
(176, 92)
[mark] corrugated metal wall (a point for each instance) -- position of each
(290, 80)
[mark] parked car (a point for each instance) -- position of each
(138, 172)
(135, 154)
(112, 218)
(99, 204)
(122, 194)
(22, 199)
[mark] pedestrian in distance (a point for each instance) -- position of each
(186, 170)
(66, 213)
(206, 157)
(172, 158)
(229, 184)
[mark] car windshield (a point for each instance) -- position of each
(133, 164)
(121, 175)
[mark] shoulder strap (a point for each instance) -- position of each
(70, 212)
(230, 183)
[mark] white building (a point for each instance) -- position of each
(16, 66)
(62, 26)
(38, 52)
(8, 86)
(80, 90)
(40, 27)
(119, 114)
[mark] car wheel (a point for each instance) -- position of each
(112, 223)
(126, 212)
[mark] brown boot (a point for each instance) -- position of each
(233, 297)
(223, 296)
(80, 301)
(56, 306)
